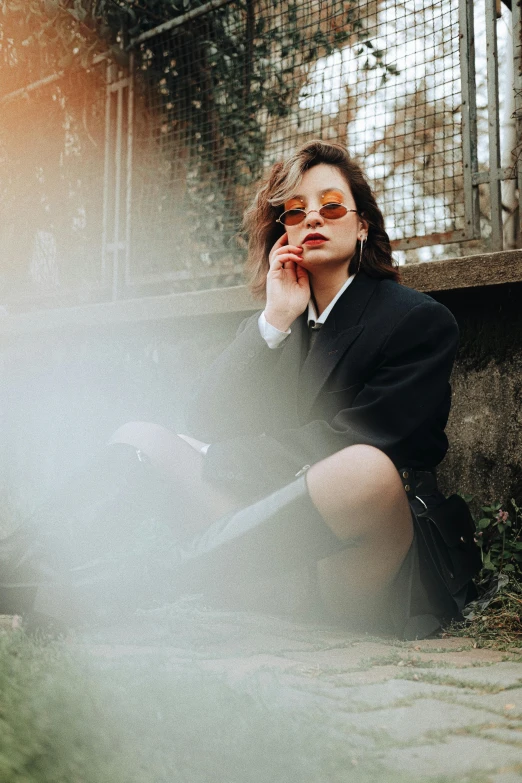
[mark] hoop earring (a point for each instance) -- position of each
(362, 242)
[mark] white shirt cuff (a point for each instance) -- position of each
(270, 334)
(196, 444)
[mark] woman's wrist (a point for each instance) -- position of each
(281, 321)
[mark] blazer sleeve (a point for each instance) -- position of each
(409, 387)
(233, 397)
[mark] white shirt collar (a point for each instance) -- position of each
(312, 315)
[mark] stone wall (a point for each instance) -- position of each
(485, 426)
(70, 377)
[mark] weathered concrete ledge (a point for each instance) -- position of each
(468, 272)
(216, 301)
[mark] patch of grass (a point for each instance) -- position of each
(54, 727)
(498, 625)
(388, 658)
(495, 619)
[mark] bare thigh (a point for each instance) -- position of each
(360, 495)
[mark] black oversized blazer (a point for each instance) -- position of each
(377, 374)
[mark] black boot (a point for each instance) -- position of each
(81, 545)
(277, 534)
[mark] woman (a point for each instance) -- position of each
(315, 435)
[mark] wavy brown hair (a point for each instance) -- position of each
(282, 183)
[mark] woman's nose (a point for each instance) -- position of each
(314, 218)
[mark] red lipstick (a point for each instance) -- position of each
(314, 239)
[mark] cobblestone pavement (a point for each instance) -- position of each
(434, 710)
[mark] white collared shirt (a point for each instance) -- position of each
(274, 337)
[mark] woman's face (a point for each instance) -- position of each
(325, 242)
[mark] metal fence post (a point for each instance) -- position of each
(130, 143)
(106, 176)
(469, 117)
(495, 174)
(117, 183)
(517, 88)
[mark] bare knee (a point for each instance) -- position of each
(143, 433)
(378, 476)
(368, 456)
(358, 471)
(359, 491)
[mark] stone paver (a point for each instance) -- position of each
(454, 758)
(361, 698)
(426, 710)
(423, 718)
(507, 702)
(455, 657)
(512, 735)
(498, 676)
(344, 658)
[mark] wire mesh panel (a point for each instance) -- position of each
(239, 87)
(406, 125)
(197, 148)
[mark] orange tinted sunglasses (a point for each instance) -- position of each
(333, 211)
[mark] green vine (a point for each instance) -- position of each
(495, 618)
(499, 536)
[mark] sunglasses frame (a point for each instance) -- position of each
(305, 214)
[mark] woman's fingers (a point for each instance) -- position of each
(301, 273)
(288, 288)
(285, 261)
(282, 252)
(288, 253)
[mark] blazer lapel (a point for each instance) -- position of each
(336, 337)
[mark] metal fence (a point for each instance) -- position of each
(142, 188)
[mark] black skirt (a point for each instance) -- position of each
(422, 598)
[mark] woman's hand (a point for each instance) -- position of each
(287, 285)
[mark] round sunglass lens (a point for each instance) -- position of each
(333, 211)
(293, 216)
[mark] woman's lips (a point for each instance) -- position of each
(314, 239)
